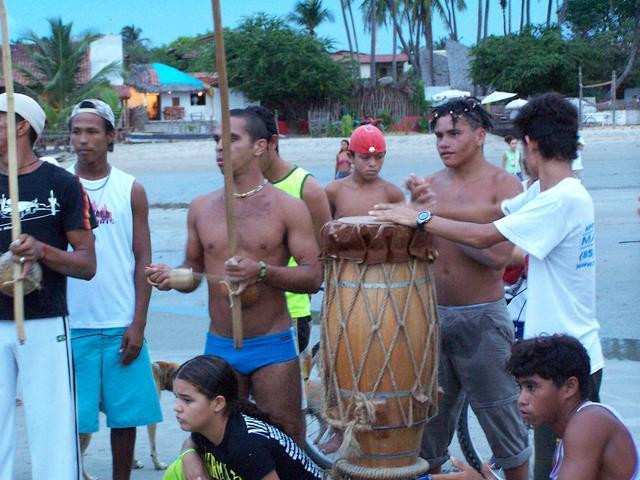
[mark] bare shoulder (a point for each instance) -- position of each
(593, 424)
(201, 202)
(335, 186)
(284, 199)
(394, 193)
(505, 184)
(312, 189)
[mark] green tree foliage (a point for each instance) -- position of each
(612, 30)
(283, 68)
(309, 14)
(188, 54)
(532, 62)
(55, 79)
(135, 47)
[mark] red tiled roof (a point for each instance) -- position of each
(124, 91)
(364, 58)
(210, 78)
(21, 55)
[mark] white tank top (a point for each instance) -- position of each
(559, 453)
(108, 299)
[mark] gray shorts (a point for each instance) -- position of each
(475, 343)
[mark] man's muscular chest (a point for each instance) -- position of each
(260, 233)
(466, 194)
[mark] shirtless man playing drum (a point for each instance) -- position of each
(356, 194)
(476, 330)
(272, 226)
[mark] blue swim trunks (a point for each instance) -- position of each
(127, 395)
(256, 352)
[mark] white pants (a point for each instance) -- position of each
(48, 394)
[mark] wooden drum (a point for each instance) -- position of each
(380, 336)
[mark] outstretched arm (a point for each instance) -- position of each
(467, 233)
(159, 274)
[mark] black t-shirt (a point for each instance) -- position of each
(251, 449)
(52, 203)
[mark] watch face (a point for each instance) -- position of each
(424, 217)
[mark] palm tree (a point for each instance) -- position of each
(57, 65)
(503, 6)
(486, 19)
(346, 29)
(135, 47)
(549, 8)
(374, 15)
(479, 36)
(309, 14)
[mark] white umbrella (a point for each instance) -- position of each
(517, 103)
(447, 94)
(497, 97)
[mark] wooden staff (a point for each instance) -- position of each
(18, 286)
(221, 65)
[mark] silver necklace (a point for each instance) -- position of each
(251, 192)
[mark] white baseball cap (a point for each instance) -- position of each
(27, 108)
(95, 106)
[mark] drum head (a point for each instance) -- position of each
(363, 219)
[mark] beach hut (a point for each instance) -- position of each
(169, 94)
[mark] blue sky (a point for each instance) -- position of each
(164, 20)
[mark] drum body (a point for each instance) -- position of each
(380, 337)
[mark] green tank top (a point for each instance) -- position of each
(513, 161)
(298, 303)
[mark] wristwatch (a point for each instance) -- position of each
(422, 219)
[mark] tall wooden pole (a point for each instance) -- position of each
(613, 98)
(7, 71)
(221, 65)
(580, 97)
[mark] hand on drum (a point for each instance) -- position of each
(396, 213)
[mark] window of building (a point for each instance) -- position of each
(175, 101)
(198, 98)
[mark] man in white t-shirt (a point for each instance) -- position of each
(108, 315)
(553, 221)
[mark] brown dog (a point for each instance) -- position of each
(163, 376)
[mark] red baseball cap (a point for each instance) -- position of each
(367, 139)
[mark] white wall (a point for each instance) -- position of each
(191, 112)
(236, 100)
(105, 50)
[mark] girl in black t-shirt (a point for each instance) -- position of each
(233, 439)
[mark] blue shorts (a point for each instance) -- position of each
(256, 352)
(127, 395)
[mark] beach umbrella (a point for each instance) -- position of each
(497, 97)
(517, 103)
(448, 94)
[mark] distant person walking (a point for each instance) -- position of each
(511, 158)
(343, 161)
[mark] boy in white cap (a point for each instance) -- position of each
(112, 365)
(356, 194)
(55, 213)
